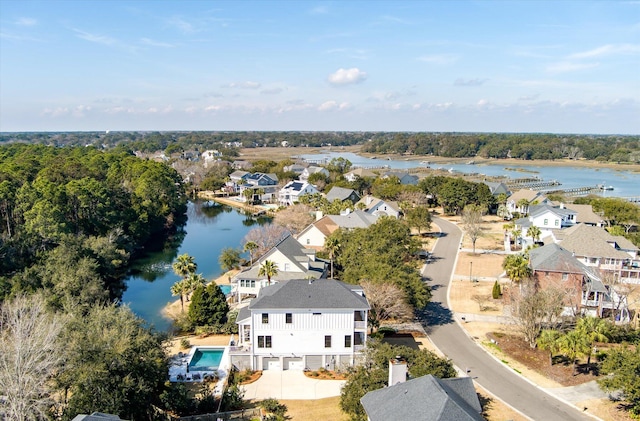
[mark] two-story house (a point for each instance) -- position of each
(584, 291)
(521, 200)
(302, 324)
(292, 260)
(310, 170)
(547, 218)
(354, 174)
(315, 234)
(291, 192)
(342, 194)
(379, 207)
(614, 256)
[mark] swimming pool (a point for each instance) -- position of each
(206, 359)
(226, 289)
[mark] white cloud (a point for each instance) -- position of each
(347, 76)
(332, 106)
(608, 49)
(244, 85)
(469, 82)
(26, 22)
(181, 24)
(272, 91)
(99, 39)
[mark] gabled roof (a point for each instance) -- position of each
(238, 174)
(355, 219)
(553, 258)
(537, 210)
(297, 254)
(361, 172)
(295, 186)
(529, 195)
(497, 188)
(306, 294)
(586, 240)
(426, 398)
(256, 177)
(340, 193)
(585, 214)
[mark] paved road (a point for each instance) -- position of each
(449, 337)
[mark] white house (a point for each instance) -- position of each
(532, 197)
(312, 169)
(547, 218)
(293, 261)
(292, 191)
(380, 207)
(353, 175)
(315, 234)
(210, 156)
(302, 324)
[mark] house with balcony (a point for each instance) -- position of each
(582, 286)
(614, 256)
(291, 192)
(293, 261)
(301, 324)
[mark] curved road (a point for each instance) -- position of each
(449, 337)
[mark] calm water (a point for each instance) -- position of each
(207, 232)
(625, 183)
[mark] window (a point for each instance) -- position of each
(308, 241)
(327, 341)
(288, 317)
(265, 317)
(557, 222)
(565, 276)
(546, 222)
(347, 341)
(317, 314)
(264, 341)
(286, 267)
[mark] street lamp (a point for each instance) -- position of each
(470, 271)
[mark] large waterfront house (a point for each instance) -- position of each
(292, 260)
(291, 192)
(302, 324)
(546, 218)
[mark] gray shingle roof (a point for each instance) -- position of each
(340, 193)
(585, 240)
(541, 209)
(553, 258)
(355, 219)
(305, 294)
(426, 398)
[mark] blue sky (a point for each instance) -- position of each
(491, 66)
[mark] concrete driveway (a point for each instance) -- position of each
(291, 384)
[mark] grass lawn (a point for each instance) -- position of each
(321, 409)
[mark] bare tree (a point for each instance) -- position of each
(387, 302)
(472, 223)
(295, 218)
(533, 308)
(266, 237)
(29, 356)
(482, 301)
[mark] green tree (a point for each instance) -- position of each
(229, 259)
(193, 281)
(516, 267)
(419, 217)
(208, 306)
(548, 340)
(269, 269)
(594, 329)
(332, 245)
(496, 291)
(180, 289)
(621, 367)
(534, 232)
(184, 265)
(112, 362)
(251, 247)
(574, 344)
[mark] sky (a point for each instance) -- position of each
(466, 66)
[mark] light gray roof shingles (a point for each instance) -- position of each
(307, 294)
(425, 398)
(585, 240)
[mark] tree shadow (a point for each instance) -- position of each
(435, 314)
(486, 403)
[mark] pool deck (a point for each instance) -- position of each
(179, 368)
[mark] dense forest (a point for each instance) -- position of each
(610, 148)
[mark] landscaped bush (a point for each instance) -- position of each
(184, 343)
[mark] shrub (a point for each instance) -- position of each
(497, 291)
(184, 343)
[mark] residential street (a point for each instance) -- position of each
(450, 338)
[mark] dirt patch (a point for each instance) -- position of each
(474, 297)
(536, 359)
(248, 377)
(325, 375)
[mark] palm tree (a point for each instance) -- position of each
(573, 344)
(595, 330)
(179, 289)
(248, 195)
(184, 265)
(251, 247)
(517, 267)
(548, 340)
(534, 232)
(193, 281)
(268, 269)
(523, 205)
(332, 245)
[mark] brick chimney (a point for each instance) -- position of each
(397, 370)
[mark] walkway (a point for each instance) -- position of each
(452, 341)
(291, 384)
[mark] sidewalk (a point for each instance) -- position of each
(291, 384)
